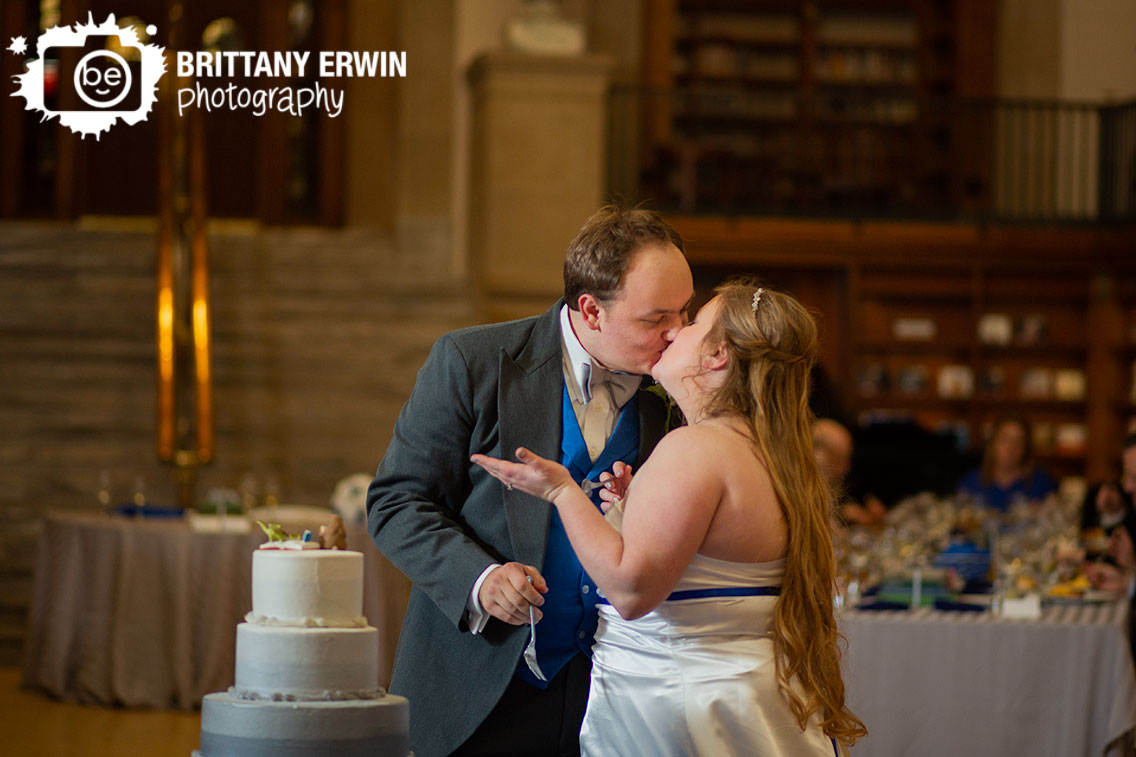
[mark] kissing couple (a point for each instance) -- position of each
(697, 622)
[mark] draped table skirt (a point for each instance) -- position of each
(927, 682)
(143, 612)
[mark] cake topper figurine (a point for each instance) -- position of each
(276, 532)
(332, 535)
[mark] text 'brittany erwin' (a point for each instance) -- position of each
(293, 63)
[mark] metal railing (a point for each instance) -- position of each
(871, 154)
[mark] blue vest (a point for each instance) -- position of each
(569, 623)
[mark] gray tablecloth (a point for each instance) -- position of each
(968, 684)
(143, 613)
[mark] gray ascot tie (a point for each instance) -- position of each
(607, 392)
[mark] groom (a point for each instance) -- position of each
(567, 385)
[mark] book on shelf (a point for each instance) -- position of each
(1032, 329)
(1132, 388)
(995, 328)
(992, 382)
(1036, 384)
(956, 382)
(853, 63)
(912, 379)
(872, 380)
(960, 430)
(1044, 437)
(911, 329)
(1069, 384)
(774, 27)
(880, 416)
(1070, 439)
(716, 59)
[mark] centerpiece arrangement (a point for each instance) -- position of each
(952, 554)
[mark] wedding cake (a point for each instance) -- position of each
(307, 666)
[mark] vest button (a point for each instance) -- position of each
(582, 634)
(585, 589)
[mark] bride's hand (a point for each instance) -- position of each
(614, 486)
(533, 475)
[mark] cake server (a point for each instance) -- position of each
(530, 650)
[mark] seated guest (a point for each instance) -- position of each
(1008, 472)
(832, 446)
(1105, 507)
(1128, 475)
(1119, 575)
(1104, 510)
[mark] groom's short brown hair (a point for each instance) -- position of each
(599, 256)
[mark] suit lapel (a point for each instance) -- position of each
(529, 411)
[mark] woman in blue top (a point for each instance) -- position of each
(1008, 470)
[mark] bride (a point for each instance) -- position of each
(719, 637)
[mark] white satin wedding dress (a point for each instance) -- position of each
(696, 675)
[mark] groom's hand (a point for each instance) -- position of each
(506, 592)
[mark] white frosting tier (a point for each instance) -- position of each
(278, 662)
(322, 587)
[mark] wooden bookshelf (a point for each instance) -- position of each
(1077, 287)
(1123, 356)
(796, 87)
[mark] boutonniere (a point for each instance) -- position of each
(674, 415)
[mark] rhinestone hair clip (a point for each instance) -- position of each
(757, 298)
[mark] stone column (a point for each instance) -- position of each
(539, 150)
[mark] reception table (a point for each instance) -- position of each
(928, 682)
(143, 612)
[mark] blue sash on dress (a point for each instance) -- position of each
(725, 591)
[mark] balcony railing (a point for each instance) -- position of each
(874, 155)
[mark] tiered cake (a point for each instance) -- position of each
(307, 667)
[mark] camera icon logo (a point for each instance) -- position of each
(90, 76)
(102, 79)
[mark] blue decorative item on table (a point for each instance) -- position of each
(965, 558)
(899, 593)
(133, 510)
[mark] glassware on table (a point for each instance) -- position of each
(103, 492)
(271, 495)
(249, 489)
(139, 496)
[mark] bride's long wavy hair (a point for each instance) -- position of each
(772, 350)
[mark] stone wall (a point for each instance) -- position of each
(318, 338)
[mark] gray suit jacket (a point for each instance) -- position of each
(442, 520)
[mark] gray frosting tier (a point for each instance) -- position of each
(232, 727)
